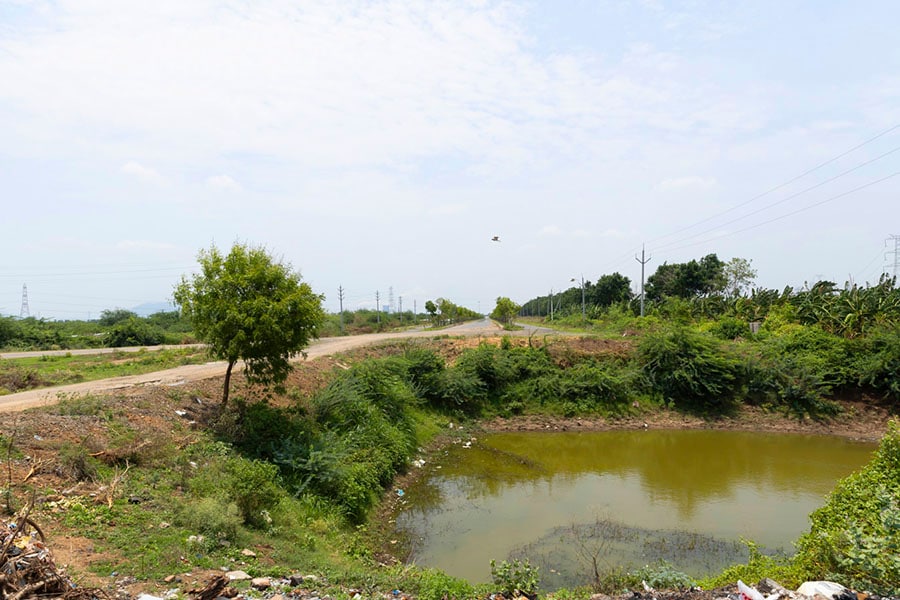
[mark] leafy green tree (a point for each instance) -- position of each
(609, 290)
(505, 311)
(248, 306)
(8, 330)
(687, 280)
(110, 317)
(739, 277)
(432, 309)
(134, 331)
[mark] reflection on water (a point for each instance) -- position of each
(686, 496)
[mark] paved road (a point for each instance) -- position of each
(188, 373)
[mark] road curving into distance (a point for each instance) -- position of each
(188, 373)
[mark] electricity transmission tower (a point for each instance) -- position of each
(24, 312)
(895, 252)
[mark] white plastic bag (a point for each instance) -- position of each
(749, 593)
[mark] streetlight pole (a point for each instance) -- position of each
(583, 319)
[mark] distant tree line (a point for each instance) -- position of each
(710, 288)
(114, 328)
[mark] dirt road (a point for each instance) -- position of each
(181, 375)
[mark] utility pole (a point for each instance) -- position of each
(341, 299)
(24, 312)
(583, 320)
(400, 311)
(643, 262)
(390, 299)
(895, 252)
(377, 308)
(551, 304)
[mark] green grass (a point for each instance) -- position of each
(22, 374)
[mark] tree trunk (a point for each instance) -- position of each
(227, 383)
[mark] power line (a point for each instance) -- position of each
(783, 200)
(790, 214)
(782, 185)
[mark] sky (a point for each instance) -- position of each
(379, 146)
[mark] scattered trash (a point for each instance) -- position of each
(822, 588)
(180, 413)
(749, 593)
(38, 438)
(401, 493)
(26, 564)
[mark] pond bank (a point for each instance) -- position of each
(858, 421)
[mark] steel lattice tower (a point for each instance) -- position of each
(24, 312)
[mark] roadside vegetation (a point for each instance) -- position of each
(115, 328)
(20, 374)
(302, 473)
(299, 471)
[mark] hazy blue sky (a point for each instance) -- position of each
(382, 144)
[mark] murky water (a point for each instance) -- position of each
(625, 498)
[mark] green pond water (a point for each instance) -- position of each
(622, 499)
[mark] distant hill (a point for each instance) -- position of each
(148, 308)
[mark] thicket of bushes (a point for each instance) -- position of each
(347, 442)
(303, 472)
(114, 328)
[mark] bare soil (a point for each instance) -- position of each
(173, 411)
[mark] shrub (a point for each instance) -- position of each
(217, 519)
(879, 363)
(691, 369)
(459, 389)
(811, 350)
(663, 575)
(515, 578)
(490, 364)
(253, 486)
(758, 567)
(134, 332)
(433, 584)
(855, 535)
(593, 385)
(423, 369)
(730, 328)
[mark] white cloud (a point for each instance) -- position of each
(550, 230)
(223, 182)
(327, 84)
(689, 182)
(141, 172)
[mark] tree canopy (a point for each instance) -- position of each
(687, 280)
(505, 311)
(248, 306)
